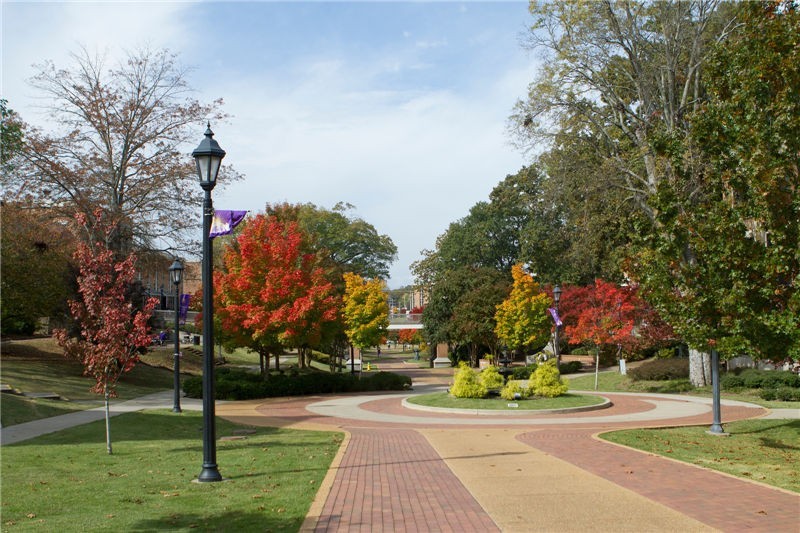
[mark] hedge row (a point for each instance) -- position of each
(238, 384)
(752, 378)
(783, 394)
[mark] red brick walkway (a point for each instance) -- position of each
(720, 501)
(393, 480)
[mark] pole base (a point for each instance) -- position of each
(176, 410)
(210, 473)
(717, 431)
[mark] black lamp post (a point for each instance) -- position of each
(208, 157)
(556, 299)
(175, 274)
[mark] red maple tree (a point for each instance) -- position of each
(270, 293)
(111, 329)
(649, 331)
(608, 316)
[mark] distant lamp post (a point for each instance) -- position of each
(556, 299)
(176, 275)
(208, 157)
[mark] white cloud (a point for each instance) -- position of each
(39, 31)
(412, 153)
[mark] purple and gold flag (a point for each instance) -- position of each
(183, 310)
(224, 222)
(554, 314)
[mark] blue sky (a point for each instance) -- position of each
(398, 108)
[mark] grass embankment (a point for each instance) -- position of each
(762, 450)
(613, 381)
(37, 365)
(67, 482)
(445, 400)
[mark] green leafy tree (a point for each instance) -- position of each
(35, 254)
(366, 310)
(627, 71)
(351, 244)
(522, 320)
(11, 136)
(733, 203)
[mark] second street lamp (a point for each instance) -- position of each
(208, 157)
(556, 299)
(176, 274)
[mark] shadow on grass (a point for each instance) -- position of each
(230, 521)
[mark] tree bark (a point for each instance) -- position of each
(699, 368)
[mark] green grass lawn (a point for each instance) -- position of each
(67, 482)
(767, 451)
(18, 409)
(443, 399)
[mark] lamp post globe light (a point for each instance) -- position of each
(556, 299)
(176, 275)
(208, 156)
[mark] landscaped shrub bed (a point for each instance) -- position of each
(238, 384)
(752, 378)
(570, 367)
(782, 394)
(660, 370)
(523, 372)
(780, 385)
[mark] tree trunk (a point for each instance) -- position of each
(108, 424)
(699, 368)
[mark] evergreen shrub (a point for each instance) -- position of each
(239, 384)
(570, 367)
(547, 382)
(660, 370)
(491, 378)
(512, 388)
(769, 379)
(466, 383)
(523, 372)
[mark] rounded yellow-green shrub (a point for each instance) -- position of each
(512, 388)
(491, 378)
(546, 381)
(467, 384)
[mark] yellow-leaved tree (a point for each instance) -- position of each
(366, 310)
(522, 320)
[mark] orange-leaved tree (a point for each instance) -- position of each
(111, 328)
(270, 294)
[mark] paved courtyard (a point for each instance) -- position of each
(404, 469)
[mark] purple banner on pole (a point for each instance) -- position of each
(184, 308)
(554, 314)
(224, 222)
